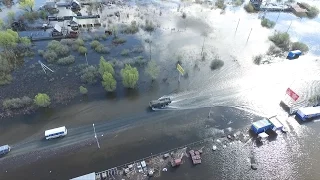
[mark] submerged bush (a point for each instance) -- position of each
(281, 39)
(132, 29)
(220, 4)
(67, 42)
(83, 90)
(66, 60)
(184, 15)
(101, 49)
(118, 40)
(249, 8)
(89, 75)
(267, 23)
(16, 103)
(300, 46)
(313, 12)
(125, 52)
(274, 50)
(216, 63)
(237, 2)
(58, 48)
(95, 43)
(149, 26)
(50, 56)
(40, 52)
(42, 100)
(79, 42)
(257, 59)
(130, 76)
(82, 50)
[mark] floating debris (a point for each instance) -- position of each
(164, 169)
(254, 166)
(214, 147)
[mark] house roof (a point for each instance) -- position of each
(57, 27)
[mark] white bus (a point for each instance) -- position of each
(56, 132)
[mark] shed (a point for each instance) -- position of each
(74, 21)
(176, 162)
(4, 149)
(57, 28)
(297, 9)
(276, 124)
(294, 54)
(261, 126)
(263, 136)
(143, 164)
(91, 176)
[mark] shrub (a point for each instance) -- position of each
(273, 50)
(89, 75)
(149, 26)
(257, 59)
(42, 100)
(220, 4)
(105, 66)
(118, 40)
(267, 23)
(130, 76)
(50, 56)
(108, 82)
(300, 46)
(249, 8)
(101, 49)
(216, 64)
(82, 50)
(237, 2)
(83, 90)
(79, 41)
(16, 103)
(125, 52)
(66, 60)
(94, 44)
(281, 39)
(152, 70)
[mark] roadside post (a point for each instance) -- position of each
(85, 54)
(95, 136)
(181, 71)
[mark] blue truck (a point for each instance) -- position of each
(4, 150)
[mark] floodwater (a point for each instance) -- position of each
(235, 96)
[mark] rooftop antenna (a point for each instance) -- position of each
(44, 67)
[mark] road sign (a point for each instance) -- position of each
(292, 94)
(180, 69)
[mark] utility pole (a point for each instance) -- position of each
(249, 36)
(95, 136)
(202, 46)
(289, 26)
(278, 17)
(85, 54)
(237, 27)
(150, 49)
